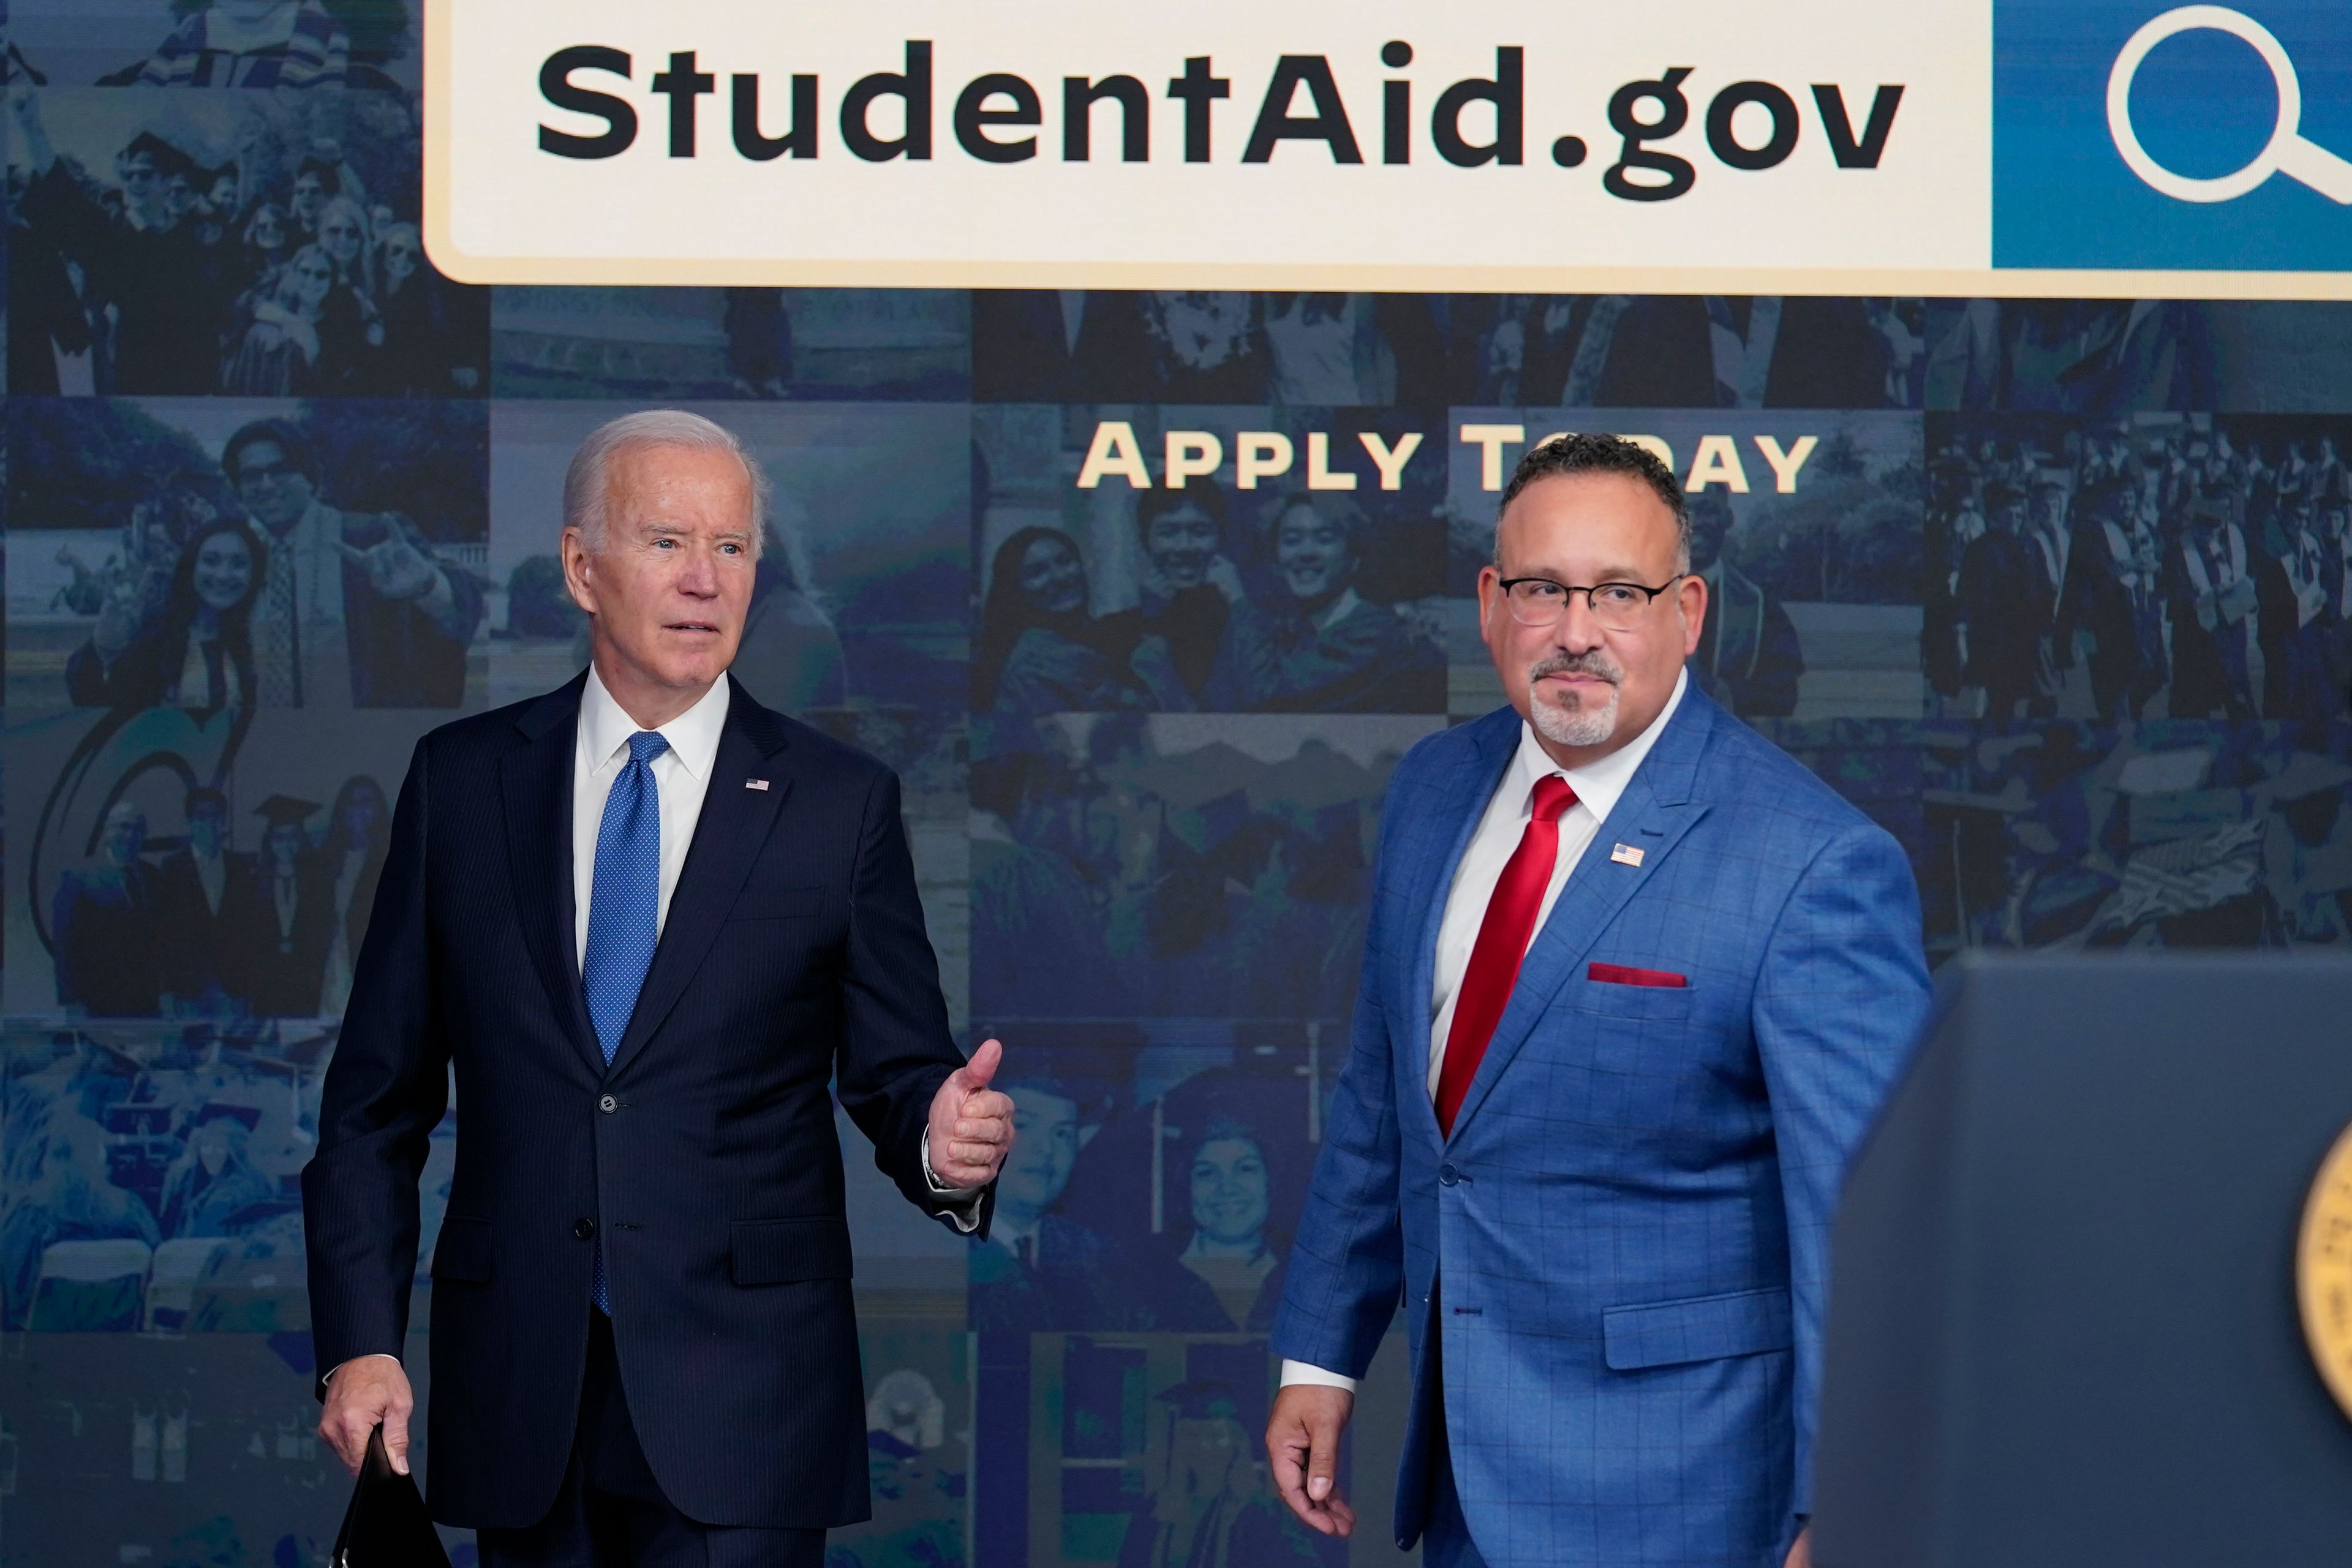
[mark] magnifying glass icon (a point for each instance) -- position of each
(2287, 153)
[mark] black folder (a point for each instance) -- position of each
(386, 1525)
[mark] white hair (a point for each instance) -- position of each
(587, 482)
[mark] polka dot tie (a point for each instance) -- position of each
(624, 912)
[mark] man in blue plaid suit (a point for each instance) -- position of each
(1634, 984)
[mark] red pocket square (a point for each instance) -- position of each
(1618, 974)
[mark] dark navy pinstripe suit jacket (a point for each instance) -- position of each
(794, 953)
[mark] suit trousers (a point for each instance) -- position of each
(610, 1511)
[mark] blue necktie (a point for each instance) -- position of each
(624, 912)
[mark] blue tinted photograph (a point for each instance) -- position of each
(252, 244)
(2159, 835)
(1211, 559)
(1129, 866)
(2183, 567)
(152, 1179)
(1159, 1172)
(1141, 1451)
(220, 869)
(230, 555)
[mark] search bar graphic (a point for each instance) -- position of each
(2287, 153)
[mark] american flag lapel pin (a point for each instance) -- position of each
(762, 784)
(1625, 855)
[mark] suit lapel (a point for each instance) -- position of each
(1654, 814)
(727, 836)
(535, 779)
(1438, 846)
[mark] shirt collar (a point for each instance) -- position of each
(1341, 609)
(1596, 785)
(693, 736)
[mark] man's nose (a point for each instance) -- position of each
(699, 578)
(1577, 631)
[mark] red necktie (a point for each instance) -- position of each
(1503, 938)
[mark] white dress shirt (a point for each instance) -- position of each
(681, 776)
(1598, 787)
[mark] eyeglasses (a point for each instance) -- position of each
(1617, 606)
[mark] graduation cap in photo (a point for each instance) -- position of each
(215, 1112)
(286, 810)
(1086, 1064)
(150, 145)
(167, 158)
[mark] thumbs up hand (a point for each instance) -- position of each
(971, 1124)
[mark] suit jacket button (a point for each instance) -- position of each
(608, 1105)
(584, 1228)
(1447, 1175)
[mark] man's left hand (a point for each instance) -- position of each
(395, 568)
(971, 1124)
(1801, 1552)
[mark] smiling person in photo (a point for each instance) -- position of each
(1320, 647)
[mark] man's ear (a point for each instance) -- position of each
(1693, 613)
(579, 579)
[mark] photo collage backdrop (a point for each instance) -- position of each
(1143, 594)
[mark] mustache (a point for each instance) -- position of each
(1595, 663)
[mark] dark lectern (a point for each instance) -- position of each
(2063, 1328)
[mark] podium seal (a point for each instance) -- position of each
(2323, 1270)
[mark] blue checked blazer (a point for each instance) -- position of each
(1632, 1218)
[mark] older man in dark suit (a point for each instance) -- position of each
(651, 925)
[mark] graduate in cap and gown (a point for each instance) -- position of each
(211, 1189)
(284, 918)
(149, 264)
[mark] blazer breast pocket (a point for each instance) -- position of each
(1643, 1003)
(781, 1251)
(767, 901)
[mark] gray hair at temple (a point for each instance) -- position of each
(587, 485)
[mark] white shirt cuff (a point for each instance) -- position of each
(371, 1355)
(1307, 1372)
(962, 1204)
